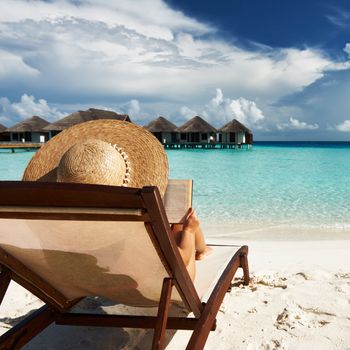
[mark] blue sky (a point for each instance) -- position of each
(280, 67)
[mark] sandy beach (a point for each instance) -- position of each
(298, 298)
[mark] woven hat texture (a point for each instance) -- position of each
(93, 162)
(145, 154)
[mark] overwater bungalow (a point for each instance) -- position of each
(235, 133)
(163, 130)
(83, 116)
(4, 135)
(29, 130)
(196, 131)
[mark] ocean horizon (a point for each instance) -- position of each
(291, 184)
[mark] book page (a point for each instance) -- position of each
(177, 199)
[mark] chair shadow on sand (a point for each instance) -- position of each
(122, 287)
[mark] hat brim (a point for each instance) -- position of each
(147, 157)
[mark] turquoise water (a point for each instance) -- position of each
(270, 184)
(12, 165)
(283, 183)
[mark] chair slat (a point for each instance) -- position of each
(26, 193)
(72, 213)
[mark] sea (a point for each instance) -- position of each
(291, 184)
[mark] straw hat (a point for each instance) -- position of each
(109, 152)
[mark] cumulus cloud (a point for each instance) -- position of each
(26, 108)
(97, 50)
(218, 99)
(221, 110)
(344, 126)
(246, 111)
(294, 123)
(130, 57)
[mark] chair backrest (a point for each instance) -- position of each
(67, 241)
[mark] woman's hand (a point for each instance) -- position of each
(191, 222)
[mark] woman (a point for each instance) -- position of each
(112, 152)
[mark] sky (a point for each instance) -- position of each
(281, 67)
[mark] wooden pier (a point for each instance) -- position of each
(12, 147)
(212, 145)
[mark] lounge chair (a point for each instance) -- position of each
(63, 242)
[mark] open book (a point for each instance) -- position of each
(177, 199)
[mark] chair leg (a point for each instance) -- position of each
(207, 318)
(22, 333)
(5, 279)
(162, 317)
(245, 267)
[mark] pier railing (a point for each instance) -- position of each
(211, 145)
(29, 146)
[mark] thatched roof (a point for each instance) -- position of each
(161, 125)
(196, 124)
(33, 124)
(2, 128)
(234, 126)
(84, 116)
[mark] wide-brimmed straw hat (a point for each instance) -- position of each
(109, 147)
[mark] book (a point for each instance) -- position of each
(178, 199)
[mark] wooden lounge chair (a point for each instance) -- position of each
(63, 242)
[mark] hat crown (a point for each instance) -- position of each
(92, 161)
(144, 156)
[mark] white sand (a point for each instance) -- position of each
(299, 298)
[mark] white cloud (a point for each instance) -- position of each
(344, 126)
(246, 111)
(294, 123)
(220, 110)
(347, 48)
(97, 50)
(26, 108)
(218, 99)
(153, 18)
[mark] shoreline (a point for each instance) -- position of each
(274, 232)
(298, 298)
